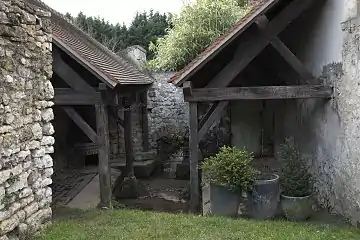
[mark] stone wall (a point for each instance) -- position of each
(25, 115)
(167, 109)
(117, 142)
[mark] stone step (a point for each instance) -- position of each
(142, 169)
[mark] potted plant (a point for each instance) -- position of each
(295, 182)
(229, 173)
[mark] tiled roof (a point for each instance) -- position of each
(103, 63)
(222, 42)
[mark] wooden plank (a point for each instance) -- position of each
(248, 51)
(80, 122)
(67, 96)
(66, 73)
(294, 62)
(194, 159)
(144, 121)
(255, 93)
(129, 150)
(215, 115)
(102, 126)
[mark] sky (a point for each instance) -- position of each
(115, 11)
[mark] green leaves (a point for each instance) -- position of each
(231, 168)
(295, 180)
(197, 26)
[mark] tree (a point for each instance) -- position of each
(197, 26)
(148, 27)
(145, 27)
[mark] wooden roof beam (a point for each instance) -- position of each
(68, 96)
(256, 93)
(253, 47)
(69, 75)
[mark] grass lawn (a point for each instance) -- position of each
(134, 225)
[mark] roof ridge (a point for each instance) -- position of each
(88, 37)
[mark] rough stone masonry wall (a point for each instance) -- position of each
(168, 111)
(328, 131)
(25, 115)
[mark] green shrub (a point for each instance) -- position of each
(231, 168)
(295, 179)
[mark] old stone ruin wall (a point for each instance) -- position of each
(25, 115)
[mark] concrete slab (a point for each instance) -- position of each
(89, 197)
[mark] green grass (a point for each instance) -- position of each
(136, 225)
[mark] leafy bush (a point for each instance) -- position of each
(295, 180)
(231, 168)
(197, 26)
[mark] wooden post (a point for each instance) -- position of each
(144, 121)
(104, 150)
(194, 159)
(129, 151)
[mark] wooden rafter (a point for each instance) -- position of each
(80, 122)
(66, 73)
(246, 52)
(256, 93)
(286, 53)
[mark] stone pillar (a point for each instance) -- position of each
(26, 140)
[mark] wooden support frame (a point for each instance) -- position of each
(286, 53)
(80, 122)
(214, 115)
(257, 93)
(104, 149)
(129, 150)
(67, 96)
(144, 121)
(66, 73)
(194, 159)
(248, 51)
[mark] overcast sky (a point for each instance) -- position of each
(115, 11)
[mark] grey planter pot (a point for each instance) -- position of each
(297, 208)
(265, 197)
(224, 202)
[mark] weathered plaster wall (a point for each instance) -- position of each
(328, 131)
(246, 125)
(25, 115)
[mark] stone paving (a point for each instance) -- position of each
(67, 184)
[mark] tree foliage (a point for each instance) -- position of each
(197, 26)
(296, 181)
(145, 28)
